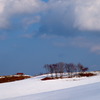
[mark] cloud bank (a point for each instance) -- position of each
(58, 16)
(10, 8)
(70, 17)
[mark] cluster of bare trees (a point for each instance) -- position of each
(60, 69)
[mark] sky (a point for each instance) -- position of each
(38, 32)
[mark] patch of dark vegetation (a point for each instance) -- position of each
(47, 78)
(12, 78)
(50, 78)
(86, 74)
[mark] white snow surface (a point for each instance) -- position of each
(86, 88)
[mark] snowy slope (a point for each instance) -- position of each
(38, 89)
(86, 92)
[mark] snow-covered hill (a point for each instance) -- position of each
(60, 89)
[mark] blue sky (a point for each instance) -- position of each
(38, 32)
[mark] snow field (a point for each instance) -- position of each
(34, 87)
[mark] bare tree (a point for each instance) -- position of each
(46, 68)
(56, 70)
(81, 68)
(61, 66)
(70, 68)
(67, 68)
(49, 69)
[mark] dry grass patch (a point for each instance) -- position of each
(12, 78)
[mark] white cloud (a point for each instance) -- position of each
(87, 15)
(69, 17)
(61, 16)
(24, 6)
(96, 48)
(8, 8)
(89, 44)
(1, 7)
(92, 45)
(27, 21)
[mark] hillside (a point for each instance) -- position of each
(84, 92)
(84, 88)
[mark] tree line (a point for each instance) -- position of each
(60, 69)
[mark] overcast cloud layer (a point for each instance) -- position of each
(58, 14)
